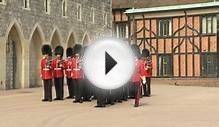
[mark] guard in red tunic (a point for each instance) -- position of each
(146, 79)
(136, 78)
(46, 72)
(68, 69)
(77, 74)
(57, 65)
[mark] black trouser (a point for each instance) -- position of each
(119, 93)
(79, 87)
(87, 90)
(131, 91)
(59, 87)
(110, 97)
(70, 87)
(148, 82)
(125, 91)
(47, 83)
(136, 92)
(101, 97)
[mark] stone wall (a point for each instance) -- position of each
(28, 21)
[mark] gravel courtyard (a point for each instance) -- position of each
(169, 106)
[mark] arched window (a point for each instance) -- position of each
(27, 4)
(2, 1)
(105, 18)
(64, 8)
(47, 6)
(79, 12)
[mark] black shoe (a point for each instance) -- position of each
(75, 101)
(136, 105)
(125, 99)
(81, 101)
(148, 95)
(45, 100)
(119, 101)
(56, 99)
(100, 106)
(69, 97)
(112, 103)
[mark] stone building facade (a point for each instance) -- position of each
(25, 25)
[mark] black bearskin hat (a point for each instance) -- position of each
(46, 50)
(83, 50)
(77, 49)
(136, 50)
(69, 52)
(59, 50)
(145, 53)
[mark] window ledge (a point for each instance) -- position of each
(2, 3)
(28, 9)
(64, 17)
(47, 13)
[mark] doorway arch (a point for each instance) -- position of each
(36, 42)
(14, 57)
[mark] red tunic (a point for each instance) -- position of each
(68, 68)
(46, 70)
(76, 69)
(147, 72)
(138, 71)
(57, 68)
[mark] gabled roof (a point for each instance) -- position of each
(173, 7)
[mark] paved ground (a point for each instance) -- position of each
(169, 106)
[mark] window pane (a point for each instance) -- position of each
(127, 31)
(170, 27)
(209, 24)
(214, 24)
(204, 25)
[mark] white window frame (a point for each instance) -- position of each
(118, 28)
(92, 15)
(28, 4)
(66, 8)
(105, 18)
(47, 6)
(79, 12)
(170, 27)
(209, 28)
(3, 2)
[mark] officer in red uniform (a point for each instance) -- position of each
(68, 69)
(77, 74)
(138, 73)
(46, 72)
(57, 65)
(146, 79)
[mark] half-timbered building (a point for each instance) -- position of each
(182, 38)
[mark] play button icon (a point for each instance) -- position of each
(108, 63)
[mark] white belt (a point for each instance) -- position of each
(58, 68)
(68, 69)
(46, 69)
(77, 69)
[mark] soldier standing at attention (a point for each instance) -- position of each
(77, 74)
(68, 69)
(146, 79)
(136, 78)
(57, 65)
(46, 72)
